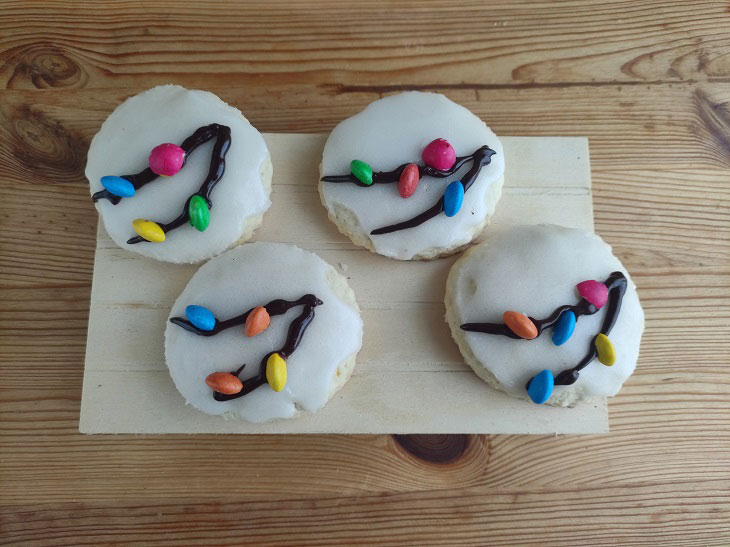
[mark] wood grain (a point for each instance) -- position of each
(645, 80)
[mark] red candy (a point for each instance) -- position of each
(439, 154)
(594, 291)
(408, 180)
(166, 159)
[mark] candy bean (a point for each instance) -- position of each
(276, 372)
(118, 186)
(224, 382)
(362, 171)
(453, 198)
(166, 159)
(257, 321)
(439, 154)
(564, 328)
(408, 180)
(541, 387)
(606, 350)
(201, 318)
(148, 230)
(594, 291)
(520, 324)
(199, 212)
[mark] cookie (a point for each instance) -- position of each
(413, 176)
(263, 331)
(179, 175)
(546, 313)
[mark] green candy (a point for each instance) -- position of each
(199, 213)
(362, 171)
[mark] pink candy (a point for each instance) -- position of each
(439, 154)
(166, 159)
(594, 291)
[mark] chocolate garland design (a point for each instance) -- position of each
(222, 134)
(297, 328)
(616, 285)
(480, 158)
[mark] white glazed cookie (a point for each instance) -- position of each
(252, 276)
(399, 130)
(172, 114)
(534, 270)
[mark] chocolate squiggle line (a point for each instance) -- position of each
(138, 180)
(616, 284)
(215, 173)
(294, 336)
(481, 157)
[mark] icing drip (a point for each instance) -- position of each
(294, 336)
(480, 158)
(616, 285)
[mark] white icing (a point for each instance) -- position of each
(252, 275)
(393, 131)
(533, 270)
(170, 114)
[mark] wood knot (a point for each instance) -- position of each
(715, 120)
(434, 448)
(45, 67)
(44, 147)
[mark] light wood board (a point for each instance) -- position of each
(409, 378)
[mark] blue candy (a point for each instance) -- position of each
(118, 186)
(541, 387)
(564, 328)
(200, 317)
(453, 198)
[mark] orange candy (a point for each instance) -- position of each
(224, 382)
(520, 324)
(257, 321)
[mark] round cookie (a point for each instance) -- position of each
(227, 161)
(544, 274)
(385, 137)
(260, 299)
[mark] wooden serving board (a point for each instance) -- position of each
(409, 377)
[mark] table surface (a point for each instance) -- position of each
(646, 81)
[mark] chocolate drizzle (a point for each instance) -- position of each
(480, 158)
(222, 134)
(616, 285)
(294, 336)
(138, 180)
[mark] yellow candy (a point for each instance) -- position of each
(146, 229)
(276, 372)
(606, 351)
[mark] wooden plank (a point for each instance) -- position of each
(449, 516)
(127, 388)
(464, 44)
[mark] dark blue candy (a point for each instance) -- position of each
(564, 328)
(541, 387)
(118, 186)
(453, 198)
(200, 317)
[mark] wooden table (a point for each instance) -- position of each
(647, 81)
